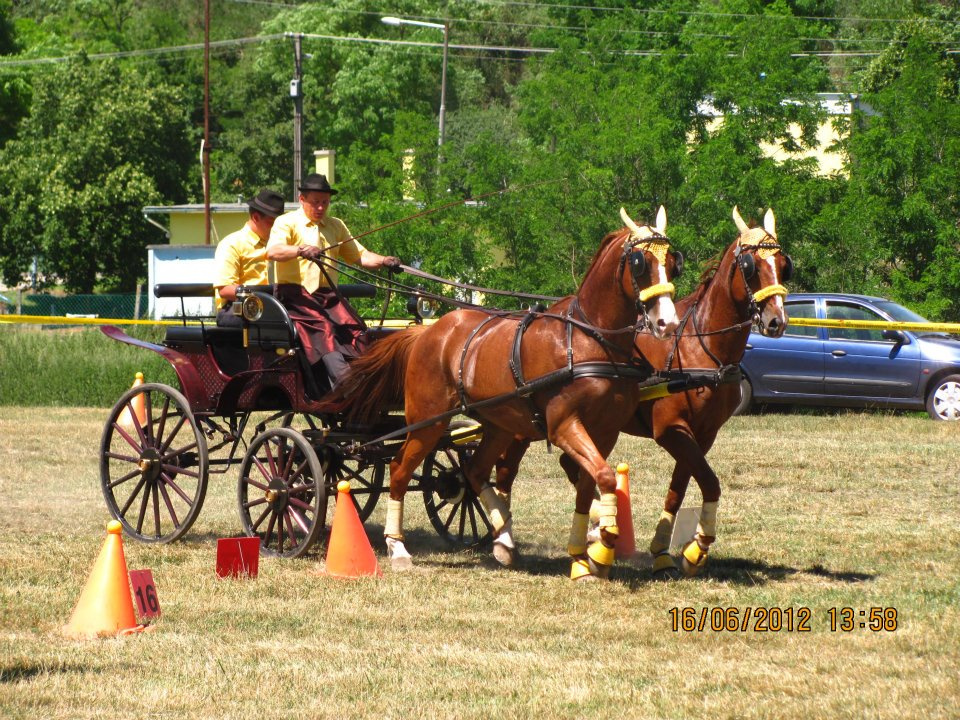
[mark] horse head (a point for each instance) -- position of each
(652, 265)
(763, 267)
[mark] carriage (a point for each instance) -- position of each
(248, 398)
(546, 374)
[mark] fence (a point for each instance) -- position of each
(119, 306)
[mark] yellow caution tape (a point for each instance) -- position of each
(61, 320)
(877, 325)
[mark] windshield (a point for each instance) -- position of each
(902, 314)
(899, 312)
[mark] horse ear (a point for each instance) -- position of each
(629, 222)
(770, 223)
(741, 225)
(662, 220)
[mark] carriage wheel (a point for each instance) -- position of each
(153, 463)
(281, 494)
(452, 506)
(365, 477)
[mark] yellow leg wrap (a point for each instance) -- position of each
(694, 558)
(393, 527)
(495, 506)
(662, 562)
(577, 545)
(661, 536)
(708, 519)
(579, 569)
(608, 510)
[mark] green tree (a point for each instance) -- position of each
(100, 143)
(905, 170)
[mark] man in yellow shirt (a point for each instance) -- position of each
(329, 328)
(241, 257)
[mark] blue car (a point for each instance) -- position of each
(853, 368)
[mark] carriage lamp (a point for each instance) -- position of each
(252, 308)
(420, 307)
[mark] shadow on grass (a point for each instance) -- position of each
(12, 671)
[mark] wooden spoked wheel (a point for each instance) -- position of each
(281, 495)
(452, 506)
(153, 463)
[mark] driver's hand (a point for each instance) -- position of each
(310, 252)
(392, 263)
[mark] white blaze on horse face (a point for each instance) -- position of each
(663, 316)
(774, 315)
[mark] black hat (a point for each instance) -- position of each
(316, 181)
(267, 202)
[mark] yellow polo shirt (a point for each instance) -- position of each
(295, 228)
(240, 259)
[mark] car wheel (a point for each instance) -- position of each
(943, 400)
(746, 397)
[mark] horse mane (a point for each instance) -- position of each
(375, 380)
(607, 241)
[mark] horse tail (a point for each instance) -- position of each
(375, 380)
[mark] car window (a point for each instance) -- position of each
(842, 311)
(803, 309)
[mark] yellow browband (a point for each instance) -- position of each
(659, 289)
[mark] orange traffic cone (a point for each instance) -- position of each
(349, 553)
(138, 404)
(105, 607)
(626, 543)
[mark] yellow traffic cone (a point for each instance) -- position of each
(349, 553)
(105, 607)
(138, 404)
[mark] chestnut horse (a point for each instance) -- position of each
(742, 288)
(464, 359)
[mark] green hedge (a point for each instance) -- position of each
(78, 367)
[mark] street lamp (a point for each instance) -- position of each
(390, 20)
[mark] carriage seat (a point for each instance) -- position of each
(272, 331)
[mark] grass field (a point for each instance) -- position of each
(819, 511)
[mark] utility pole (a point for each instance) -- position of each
(296, 92)
(205, 148)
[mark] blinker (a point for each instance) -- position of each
(787, 274)
(638, 264)
(748, 265)
(677, 263)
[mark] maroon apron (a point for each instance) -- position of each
(325, 322)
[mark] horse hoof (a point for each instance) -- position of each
(503, 554)
(664, 567)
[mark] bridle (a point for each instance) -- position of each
(747, 265)
(633, 258)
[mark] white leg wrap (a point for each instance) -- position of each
(495, 507)
(608, 509)
(708, 519)
(506, 499)
(393, 527)
(577, 544)
(663, 533)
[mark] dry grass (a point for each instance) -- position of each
(818, 511)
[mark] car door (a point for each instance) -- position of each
(789, 365)
(862, 364)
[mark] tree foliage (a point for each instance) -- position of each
(623, 112)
